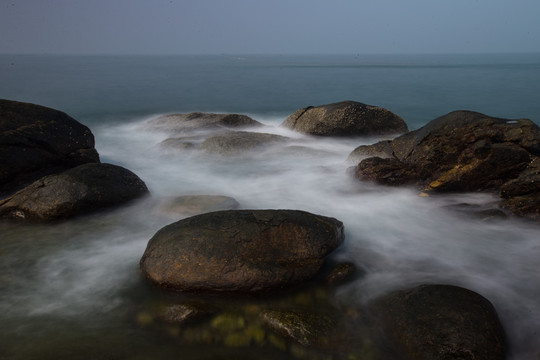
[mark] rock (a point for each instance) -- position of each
(461, 151)
(189, 205)
(385, 171)
(522, 194)
(306, 328)
(240, 250)
(340, 273)
(440, 322)
(382, 149)
(198, 121)
(36, 141)
(183, 313)
(240, 142)
(347, 118)
(82, 189)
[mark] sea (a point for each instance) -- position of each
(73, 290)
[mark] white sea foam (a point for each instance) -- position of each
(399, 238)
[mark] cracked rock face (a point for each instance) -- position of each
(347, 118)
(240, 250)
(37, 141)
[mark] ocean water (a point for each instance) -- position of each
(73, 290)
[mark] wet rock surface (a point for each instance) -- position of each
(381, 149)
(440, 322)
(82, 189)
(240, 250)
(36, 141)
(460, 152)
(347, 118)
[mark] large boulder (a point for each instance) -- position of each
(37, 141)
(461, 151)
(240, 250)
(440, 322)
(347, 118)
(240, 142)
(198, 121)
(82, 189)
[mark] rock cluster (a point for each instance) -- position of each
(462, 151)
(50, 158)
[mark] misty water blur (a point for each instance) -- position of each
(79, 281)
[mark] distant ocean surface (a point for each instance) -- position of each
(73, 290)
(419, 88)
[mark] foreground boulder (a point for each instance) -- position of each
(198, 121)
(440, 322)
(82, 189)
(37, 141)
(240, 250)
(347, 118)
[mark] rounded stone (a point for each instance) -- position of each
(240, 250)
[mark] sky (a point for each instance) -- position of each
(268, 26)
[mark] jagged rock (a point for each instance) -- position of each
(240, 250)
(461, 151)
(36, 141)
(440, 322)
(522, 194)
(82, 189)
(347, 118)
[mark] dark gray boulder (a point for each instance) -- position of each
(461, 151)
(240, 250)
(82, 189)
(347, 118)
(240, 142)
(440, 322)
(199, 121)
(37, 141)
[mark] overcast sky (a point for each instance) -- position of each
(268, 26)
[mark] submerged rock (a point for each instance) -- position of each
(198, 121)
(189, 205)
(306, 328)
(240, 142)
(82, 189)
(347, 118)
(240, 250)
(440, 322)
(36, 141)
